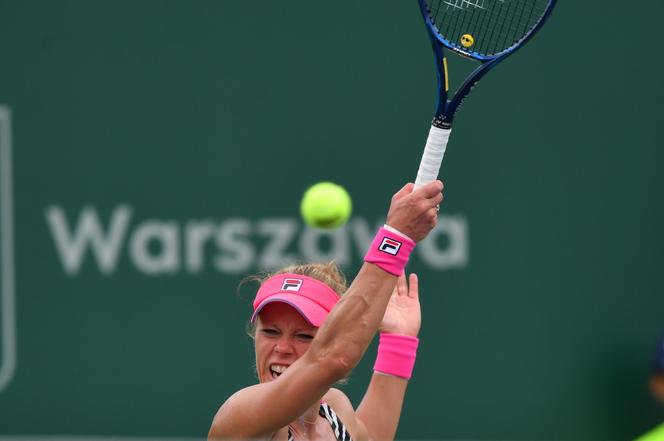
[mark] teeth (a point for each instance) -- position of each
(277, 369)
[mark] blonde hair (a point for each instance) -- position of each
(328, 273)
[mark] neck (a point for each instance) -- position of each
(306, 423)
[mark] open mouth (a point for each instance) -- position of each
(277, 369)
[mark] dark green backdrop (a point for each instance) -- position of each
(157, 122)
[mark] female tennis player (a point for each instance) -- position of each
(308, 336)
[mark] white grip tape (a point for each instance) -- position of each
(432, 156)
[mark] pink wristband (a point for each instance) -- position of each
(396, 355)
(390, 251)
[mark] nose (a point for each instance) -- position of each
(284, 346)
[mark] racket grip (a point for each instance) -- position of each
(433, 154)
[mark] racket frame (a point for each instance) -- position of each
(446, 108)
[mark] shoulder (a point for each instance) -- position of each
(227, 419)
(335, 396)
(342, 406)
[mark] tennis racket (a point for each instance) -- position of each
(487, 31)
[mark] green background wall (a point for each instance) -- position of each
(542, 292)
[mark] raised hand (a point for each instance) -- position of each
(414, 212)
(402, 315)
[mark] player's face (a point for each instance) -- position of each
(282, 336)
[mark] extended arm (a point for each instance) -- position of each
(381, 406)
(339, 343)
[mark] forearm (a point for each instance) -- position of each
(381, 406)
(352, 324)
(348, 330)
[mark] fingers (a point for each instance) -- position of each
(430, 194)
(437, 199)
(431, 189)
(402, 285)
(413, 211)
(432, 207)
(408, 287)
(405, 190)
(413, 288)
(436, 208)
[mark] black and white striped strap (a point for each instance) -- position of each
(340, 432)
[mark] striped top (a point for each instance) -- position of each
(340, 432)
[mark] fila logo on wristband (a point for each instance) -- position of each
(390, 246)
(291, 285)
(389, 254)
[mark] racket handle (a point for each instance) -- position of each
(433, 155)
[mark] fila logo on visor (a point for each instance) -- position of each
(291, 285)
(390, 246)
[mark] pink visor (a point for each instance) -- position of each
(310, 297)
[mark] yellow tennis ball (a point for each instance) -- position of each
(326, 205)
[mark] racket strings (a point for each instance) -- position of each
(494, 30)
(493, 25)
(515, 31)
